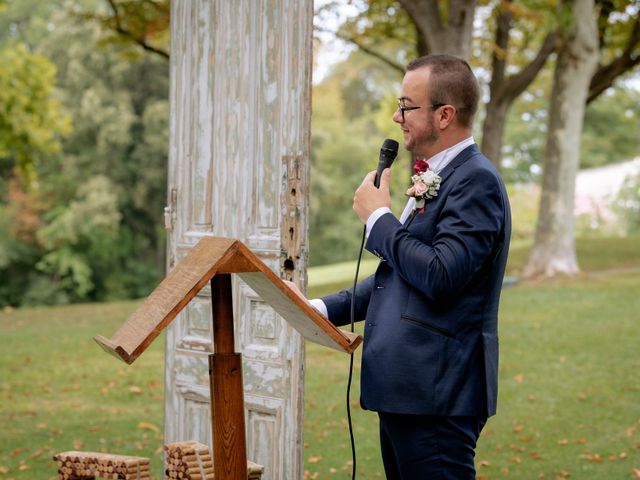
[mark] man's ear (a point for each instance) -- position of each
(447, 114)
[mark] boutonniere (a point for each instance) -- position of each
(425, 185)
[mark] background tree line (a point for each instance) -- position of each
(84, 119)
(82, 158)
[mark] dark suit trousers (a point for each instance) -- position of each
(424, 447)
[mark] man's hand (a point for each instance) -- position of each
(368, 198)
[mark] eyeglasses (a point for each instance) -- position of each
(404, 108)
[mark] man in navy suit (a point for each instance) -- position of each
(430, 355)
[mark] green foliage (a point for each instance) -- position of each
(134, 26)
(609, 135)
(611, 127)
(92, 229)
(31, 119)
(344, 149)
(77, 235)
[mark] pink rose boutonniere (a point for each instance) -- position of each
(425, 184)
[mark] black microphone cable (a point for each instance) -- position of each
(353, 315)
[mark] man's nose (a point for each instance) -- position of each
(397, 116)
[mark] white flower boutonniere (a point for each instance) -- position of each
(424, 186)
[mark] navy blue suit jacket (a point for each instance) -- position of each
(431, 308)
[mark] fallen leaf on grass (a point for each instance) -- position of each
(592, 457)
(78, 444)
(135, 389)
(314, 458)
(4, 469)
(519, 378)
(622, 455)
(536, 456)
(36, 454)
(23, 466)
(564, 441)
(636, 473)
(484, 463)
(151, 384)
(148, 426)
(15, 452)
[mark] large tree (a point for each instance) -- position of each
(553, 250)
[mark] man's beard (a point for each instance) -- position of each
(423, 142)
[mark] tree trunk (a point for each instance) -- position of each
(554, 250)
(492, 130)
(444, 33)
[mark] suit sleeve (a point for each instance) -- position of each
(465, 236)
(339, 304)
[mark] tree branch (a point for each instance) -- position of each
(426, 16)
(368, 50)
(499, 57)
(140, 41)
(606, 74)
(518, 83)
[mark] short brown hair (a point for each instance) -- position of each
(452, 82)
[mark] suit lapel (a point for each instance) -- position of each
(464, 155)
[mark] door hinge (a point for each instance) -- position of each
(170, 210)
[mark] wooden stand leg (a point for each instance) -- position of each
(227, 392)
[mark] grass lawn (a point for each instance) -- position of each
(569, 403)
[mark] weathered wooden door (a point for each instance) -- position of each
(238, 167)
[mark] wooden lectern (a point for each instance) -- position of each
(214, 259)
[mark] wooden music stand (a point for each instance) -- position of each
(214, 259)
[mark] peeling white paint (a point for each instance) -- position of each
(239, 142)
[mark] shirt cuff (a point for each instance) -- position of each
(373, 218)
(320, 306)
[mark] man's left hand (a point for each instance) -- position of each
(368, 198)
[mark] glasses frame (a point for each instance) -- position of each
(404, 108)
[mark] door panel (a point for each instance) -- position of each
(238, 167)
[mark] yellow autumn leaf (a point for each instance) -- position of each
(314, 458)
(148, 426)
(135, 389)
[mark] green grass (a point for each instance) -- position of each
(569, 384)
(59, 392)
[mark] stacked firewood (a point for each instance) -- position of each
(88, 465)
(193, 461)
(189, 461)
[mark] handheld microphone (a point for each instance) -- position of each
(388, 153)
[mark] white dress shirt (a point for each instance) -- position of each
(437, 163)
